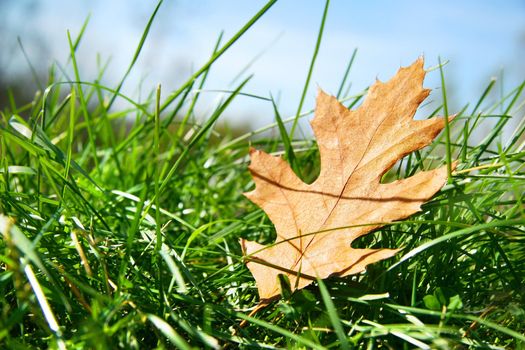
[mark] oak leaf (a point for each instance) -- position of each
(317, 223)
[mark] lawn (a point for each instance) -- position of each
(120, 226)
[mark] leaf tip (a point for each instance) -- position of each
(418, 64)
(321, 95)
(416, 68)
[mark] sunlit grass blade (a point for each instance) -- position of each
(169, 332)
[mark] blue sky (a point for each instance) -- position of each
(479, 38)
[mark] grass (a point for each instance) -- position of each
(121, 228)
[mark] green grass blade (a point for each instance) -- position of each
(345, 75)
(83, 107)
(456, 234)
(334, 317)
(198, 92)
(198, 136)
(218, 54)
(35, 75)
(136, 55)
(448, 146)
(169, 332)
(279, 330)
(310, 69)
(288, 148)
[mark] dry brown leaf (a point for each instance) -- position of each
(356, 147)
